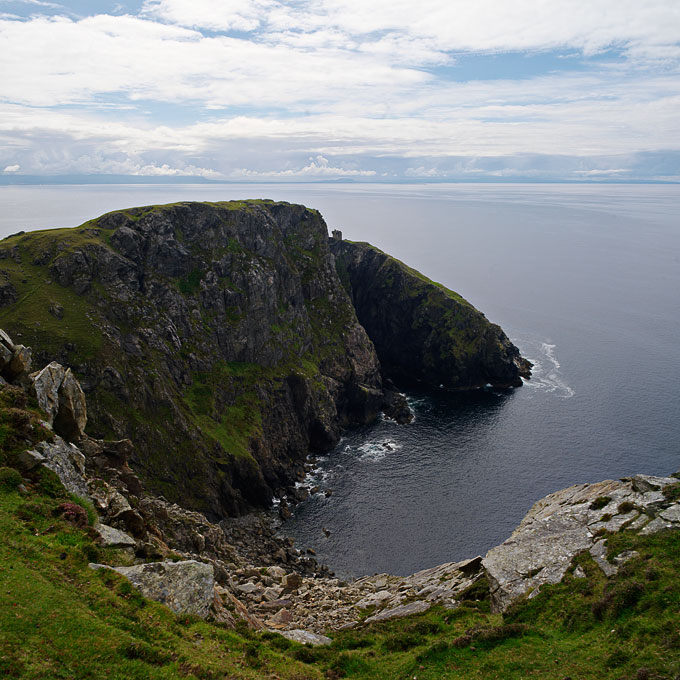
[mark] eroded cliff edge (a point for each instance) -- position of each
(422, 331)
(217, 336)
(220, 339)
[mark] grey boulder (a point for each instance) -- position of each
(185, 587)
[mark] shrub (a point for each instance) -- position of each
(672, 492)
(600, 502)
(492, 634)
(73, 513)
(616, 599)
(9, 479)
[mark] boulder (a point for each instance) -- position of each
(45, 387)
(19, 363)
(291, 581)
(29, 460)
(561, 525)
(71, 416)
(185, 587)
(305, 637)
(108, 537)
(409, 609)
(67, 461)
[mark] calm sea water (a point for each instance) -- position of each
(585, 280)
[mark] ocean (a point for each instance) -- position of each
(585, 279)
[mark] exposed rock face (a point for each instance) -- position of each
(60, 396)
(68, 462)
(569, 521)
(218, 337)
(15, 360)
(185, 587)
(422, 331)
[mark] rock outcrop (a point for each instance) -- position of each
(573, 520)
(423, 332)
(185, 587)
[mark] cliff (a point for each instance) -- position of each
(422, 331)
(216, 336)
(220, 338)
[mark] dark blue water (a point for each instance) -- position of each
(584, 279)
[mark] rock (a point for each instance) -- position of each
(291, 581)
(305, 637)
(239, 609)
(248, 588)
(71, 416)
(656, 525)
(108, 500)
(282, 618)
(626, 555)
(276, 572)
(185, 587)
(599, 554)
(645, 483)
(374, 599)
(470, 566)
(29, 460)
(113, 538)
(6, 341)
(272, 594)
(562, 524)
(6, 354)
(417, 607)
(19, 364)
(671, 514)
(67, 461)
(45, 387)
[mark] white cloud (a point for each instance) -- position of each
(602, 173)
(318, 167)
(39, 3)
(12, 168)
(422, 171)
(239, 15)
(331, 79)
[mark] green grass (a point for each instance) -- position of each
(60, 619)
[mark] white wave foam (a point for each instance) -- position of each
(374, 451)
(546, 375)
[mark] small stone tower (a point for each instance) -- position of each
(337, 234)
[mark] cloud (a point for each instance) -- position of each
(317, 167)
(602, 172)
(260, 86)
(39, 3)
(238, 15)
(12, 168)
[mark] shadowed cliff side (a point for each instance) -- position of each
(422, 331)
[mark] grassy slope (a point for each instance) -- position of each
(59, 619)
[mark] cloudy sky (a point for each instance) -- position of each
(300, 90)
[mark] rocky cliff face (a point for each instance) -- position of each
(220, 338)
(216, 336)
(422, 331)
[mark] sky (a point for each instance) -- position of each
(361, 90)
